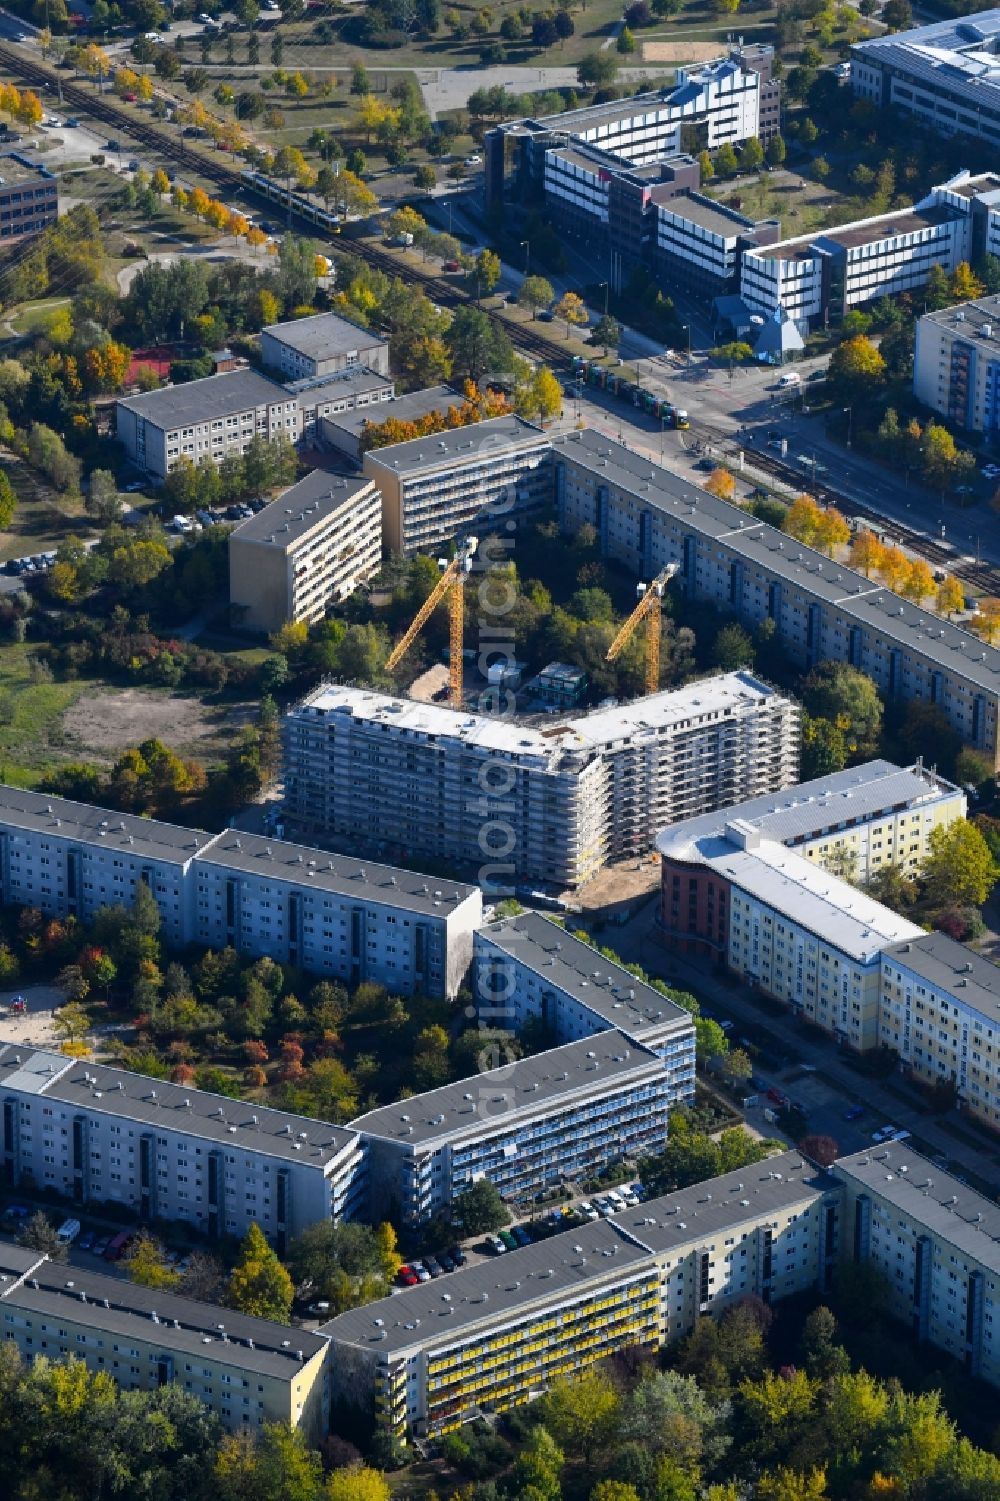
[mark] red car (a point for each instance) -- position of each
(451, 265)
(777, 1096)
(407, 1277)
(130, 98)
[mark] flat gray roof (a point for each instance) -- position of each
(324, 335)
(502, 1096)
(953, 968)
(117, 1306)
(929, 1196)
(495, 1288)
(301, 508)
(706, 214)
(315, 388)
(127, 1096)
(460, 445)
(402, 408)
(941, 641)
(200, 400)
(778, 1183)
(41, 813)
(608, 989)
(365, 880)
(811, 808)
(969, 322)
(548, 1270)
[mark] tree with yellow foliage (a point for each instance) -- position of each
(180, 197)
(721, 483)
(94, 61)
(371, 114)
(144, 90)
(30, 111)
(236, 225)
(216, 215)
(802, 519)
(572, 309)
(919, 581)
(105, 368)
(894, 567)
(255, 238)
(297, 87)
(950, 596)
(126, 81)
(987, 619)
(199, 201)
(866, 552)
(832, 531)
(160, 182)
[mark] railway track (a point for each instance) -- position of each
(984, 577)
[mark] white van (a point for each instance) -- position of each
(791, 378)
(68, 1231)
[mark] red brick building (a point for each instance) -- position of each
(694, 909)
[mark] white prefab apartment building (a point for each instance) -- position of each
(947, 74)
(528, 968)
(940, 1011)
(306, 551)
(794, 930)
(645, 517)
(936, 1243)
(856, 821)
(247, 1371)
(818, 278)
(640, 1280)
(527, 1126)
(435, 488)
(320, 346)
(103, 1135)
(331, 914)
(387, 774)
(956, 364)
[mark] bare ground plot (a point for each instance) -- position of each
(615, 887)
(43, 517)
(104, 723)
(679, 52)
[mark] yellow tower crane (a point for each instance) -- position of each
(649, 610)
(452, 584)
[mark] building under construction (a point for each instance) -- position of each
(543, 801)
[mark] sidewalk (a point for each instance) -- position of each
(969, 1148)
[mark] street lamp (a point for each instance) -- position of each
(686, 329)
(850, 423)
(526, 247)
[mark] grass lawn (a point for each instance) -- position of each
(30, 717)
(800, 203)
(34, 317)
(43, 518)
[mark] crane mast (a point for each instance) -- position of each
(648, 611)
(450, 585)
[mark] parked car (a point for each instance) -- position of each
(317, 1310)
(473, 161)
(588, 1211)
(446, 1262)
(495, 1244)
(68, 1231)
(85, 1242)
(991, 471)
(451, 266)
(16, 1212)
(508, 1240)
(521, 1235)
(884, 1133)
(117, 1246)
(433, 1266)
(457, 1255)
(421, 1272)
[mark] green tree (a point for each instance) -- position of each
(535, 292)
(480, 1209)
(39, 1234)
(751, 155)
(274, 1465)
(606, 331)
(732, 649)
(959, 870)
(580, 1413)
(358, 1482)
(776, 151)
(843, 696)
(487, 271)
(726, 162)
(259, 1284)
(597, 69)
(626, 43)
(102, 499)
(539, 1467)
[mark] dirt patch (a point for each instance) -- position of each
(679, 52)
(616, 886)
(429, 684)
(105, 723)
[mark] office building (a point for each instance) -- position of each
(782, 924)
(247, 1371)
(853, 822)
(435, 488)
(29, 197)
(816, 279)
(956, 364)
(210, 418)
(346, 432)
(529, 969)
(322, 345)
(558, 1117)
(946, 74)
(305, 552)
(98, 1135)
(940, 1011)
(724, 101)
(582, 790)
(700, 244)
(428, 1359)
(936, 1243)
(329, 914)
(646, 517)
